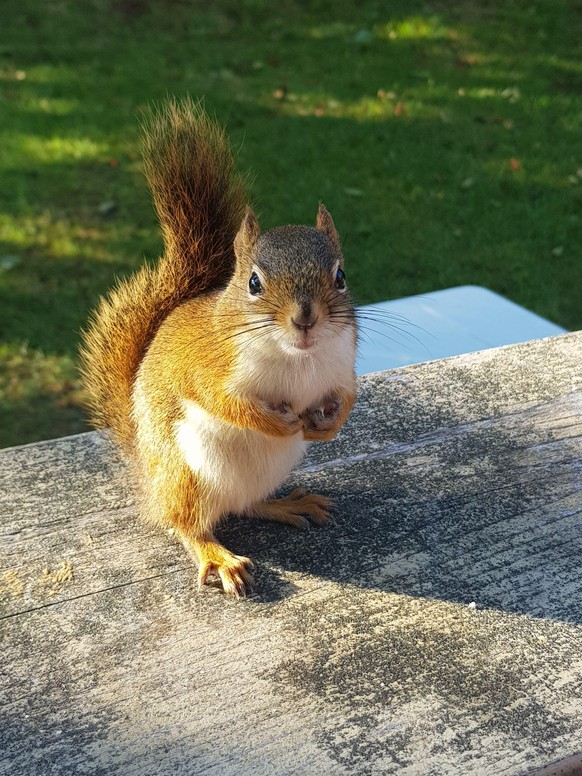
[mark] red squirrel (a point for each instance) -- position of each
(214, 367)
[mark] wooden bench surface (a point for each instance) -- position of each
(435, 628)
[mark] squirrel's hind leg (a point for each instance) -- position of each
(293, 508)
(184, 505)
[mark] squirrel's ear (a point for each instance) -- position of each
(247, 235)
(325, 224)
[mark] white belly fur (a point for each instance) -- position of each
(239, 466)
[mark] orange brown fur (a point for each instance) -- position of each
(200, 200)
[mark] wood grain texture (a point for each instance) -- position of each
(435, 628)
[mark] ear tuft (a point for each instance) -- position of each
(247, 235)
(326, 225)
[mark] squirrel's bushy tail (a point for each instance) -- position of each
(200, 202)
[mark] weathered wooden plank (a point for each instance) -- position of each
(107, 549)
(434, 628)
(358, 677)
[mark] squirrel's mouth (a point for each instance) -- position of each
(304, 342)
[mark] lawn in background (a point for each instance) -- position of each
(445, 138)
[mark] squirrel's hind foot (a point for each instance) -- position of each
(215, 560)
(293, 509)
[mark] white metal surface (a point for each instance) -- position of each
(443, 323)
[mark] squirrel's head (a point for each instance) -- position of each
(293, 282)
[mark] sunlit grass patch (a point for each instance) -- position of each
(59, 237)
(48, 150)
(444, 138)
(413, 28)
(42, 391)
(379, 106)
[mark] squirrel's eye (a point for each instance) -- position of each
(255, 286)
(340, 280)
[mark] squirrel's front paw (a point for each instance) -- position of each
(322, 422)
(284, 414)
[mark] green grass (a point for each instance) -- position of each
(444, 137)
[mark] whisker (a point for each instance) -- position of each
(248, 330)
(381, 314)
(364, 334)
(403, 331)
(390, 321)
(395, 340)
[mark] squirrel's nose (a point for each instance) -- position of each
(304, 323)
(305, 315)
